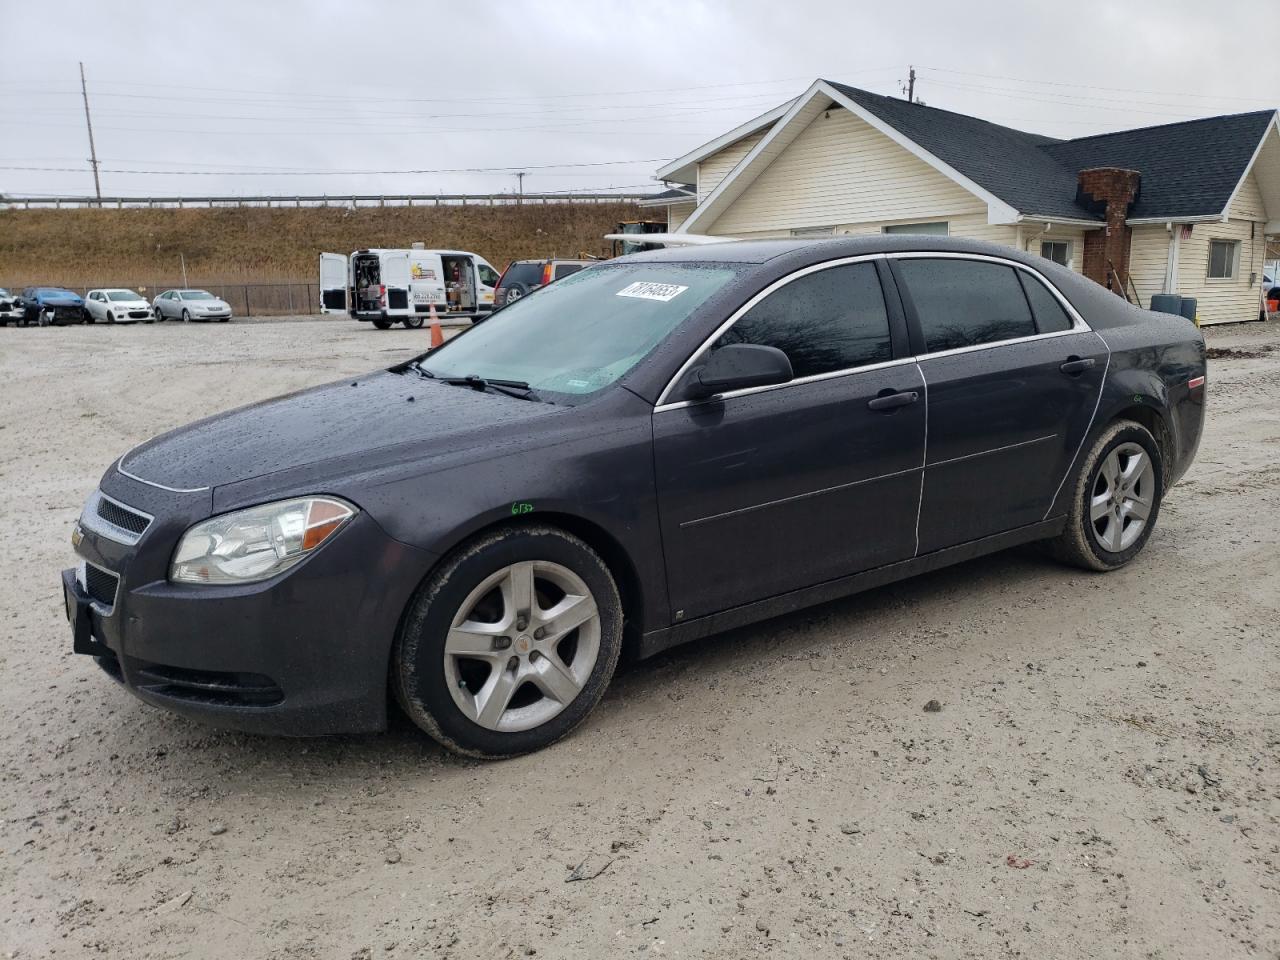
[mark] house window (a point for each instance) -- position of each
(1059, 251)
(937, 229)
(1222, 259)
(813, 232)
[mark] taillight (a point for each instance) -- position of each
(382, 293)
(547, 272)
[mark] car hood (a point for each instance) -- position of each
(128, 304)
(207, 304)
(65, 301)
(365, 421)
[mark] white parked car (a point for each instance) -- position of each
(191, 305)
(117, 305)
(9, 308)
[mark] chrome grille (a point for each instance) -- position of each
(118, 515)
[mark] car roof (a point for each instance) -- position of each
(817, 250)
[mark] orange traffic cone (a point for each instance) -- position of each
(437, 335)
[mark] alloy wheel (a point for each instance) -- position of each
(1122, 498)
(522, 646)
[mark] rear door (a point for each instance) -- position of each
(771, 489)
(395, 277)
(1012, 380)
(334, 280)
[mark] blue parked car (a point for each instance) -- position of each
(51, 305)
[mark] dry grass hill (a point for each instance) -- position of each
(142, 247)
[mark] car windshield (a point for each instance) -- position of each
(197, 295)
(54, 292)
(122, 295)
(582, 333)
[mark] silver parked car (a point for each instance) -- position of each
(191, 305)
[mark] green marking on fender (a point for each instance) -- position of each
(519, 508)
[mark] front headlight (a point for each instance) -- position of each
(257, 543)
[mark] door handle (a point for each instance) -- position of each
(891, 401)
(1076, 366)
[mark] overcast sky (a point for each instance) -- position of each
(207, 97)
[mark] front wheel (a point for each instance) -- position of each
(412, 323)
(1115, 501)
(186, 316)
(44, 319)
(510, 644)
(382, 324)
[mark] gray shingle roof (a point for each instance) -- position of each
(669, 196)
(1188, 169)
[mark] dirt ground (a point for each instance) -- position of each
(1102, 779)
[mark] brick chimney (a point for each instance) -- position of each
(1109, 192)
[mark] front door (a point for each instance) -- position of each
(772, 489)
(1012, 382)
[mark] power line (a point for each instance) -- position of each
(1086, 86)
(498, 171)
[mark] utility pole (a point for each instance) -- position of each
(911, 85)
(520, 186)
(93, 153)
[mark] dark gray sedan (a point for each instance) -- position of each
(649, 451)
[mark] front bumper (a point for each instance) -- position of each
(303, 654)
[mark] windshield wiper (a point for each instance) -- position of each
(512, 388)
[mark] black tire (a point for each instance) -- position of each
(186, 316)
(414, 322)
(1078, 544)
(43, 319)
(382, 324)
(417, 666)
(111, 317)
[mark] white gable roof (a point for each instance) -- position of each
(795, 118)
(685, 169)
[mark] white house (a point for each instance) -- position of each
(1178, 208)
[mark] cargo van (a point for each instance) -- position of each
(400, 286)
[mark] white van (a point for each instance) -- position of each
(390, 286)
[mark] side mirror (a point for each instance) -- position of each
(737, 366)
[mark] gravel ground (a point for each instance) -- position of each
(1101, 779)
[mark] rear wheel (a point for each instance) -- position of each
(510, 644)
(382, 324)
(1115, 501)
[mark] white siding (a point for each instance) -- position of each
(973, 226)
(1149, 260)
(716, 167)
(1034, 233)
(1222, 301)
(841, 170)
(1248, 202)
(677, 214)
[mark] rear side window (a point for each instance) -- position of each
(830, 320)
(1049, 313)
(524, 272)
(564, 269)
(964, 303)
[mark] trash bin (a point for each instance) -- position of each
(1189, 309)
(1166, 303)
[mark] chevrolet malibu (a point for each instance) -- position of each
(647, 452)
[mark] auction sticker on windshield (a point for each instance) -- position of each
(647, 290)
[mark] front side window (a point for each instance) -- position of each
(564, 269)
(488, 276)
(935, 229)
(1222, 259)
(581, 334)
(1059, 251)
(830, 320)
(964, 303)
